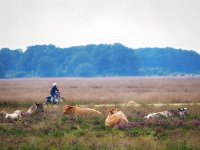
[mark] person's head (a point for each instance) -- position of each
(54, 84)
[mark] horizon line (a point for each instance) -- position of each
(78, 45)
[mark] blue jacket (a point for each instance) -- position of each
(53, 90)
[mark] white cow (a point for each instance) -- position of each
(152, 115)
(15, 115)
(182, 112)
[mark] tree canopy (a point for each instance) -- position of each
(96, 60)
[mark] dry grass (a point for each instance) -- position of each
(104, 90)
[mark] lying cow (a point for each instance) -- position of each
(182, 112)
(37, 110)
(38, 107)
(158, 114)
(152, 115)
(75, 111)
(115, 118)
(15, 115)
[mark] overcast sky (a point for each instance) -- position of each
(134, 23)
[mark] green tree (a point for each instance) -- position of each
(2, 70)
(46, 67)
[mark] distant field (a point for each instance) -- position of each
(104, 90)
(59, 132)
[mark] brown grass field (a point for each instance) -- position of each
(104, 90)
(59, 132)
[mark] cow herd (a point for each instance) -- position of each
(115, 117)
(17, 114)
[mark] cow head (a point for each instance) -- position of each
(68, 109)
(183, 112)
(113, 111)
(39, 107)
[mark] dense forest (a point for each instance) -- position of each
(96, 61)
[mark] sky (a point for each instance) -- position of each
(134, 23)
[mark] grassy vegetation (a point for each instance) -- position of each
(58, 131)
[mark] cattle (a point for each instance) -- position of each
(182, 112)
(38, 107)
(158, 114)
(34, 112)
(115, 119)
(75, 111)
(152, 115)
(15, 115)
(113, 111)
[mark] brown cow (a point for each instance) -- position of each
(75, 111)
(116, 118)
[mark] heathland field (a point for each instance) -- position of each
(136, 97)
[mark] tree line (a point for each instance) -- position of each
(96, 61)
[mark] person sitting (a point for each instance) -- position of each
(54, 92)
